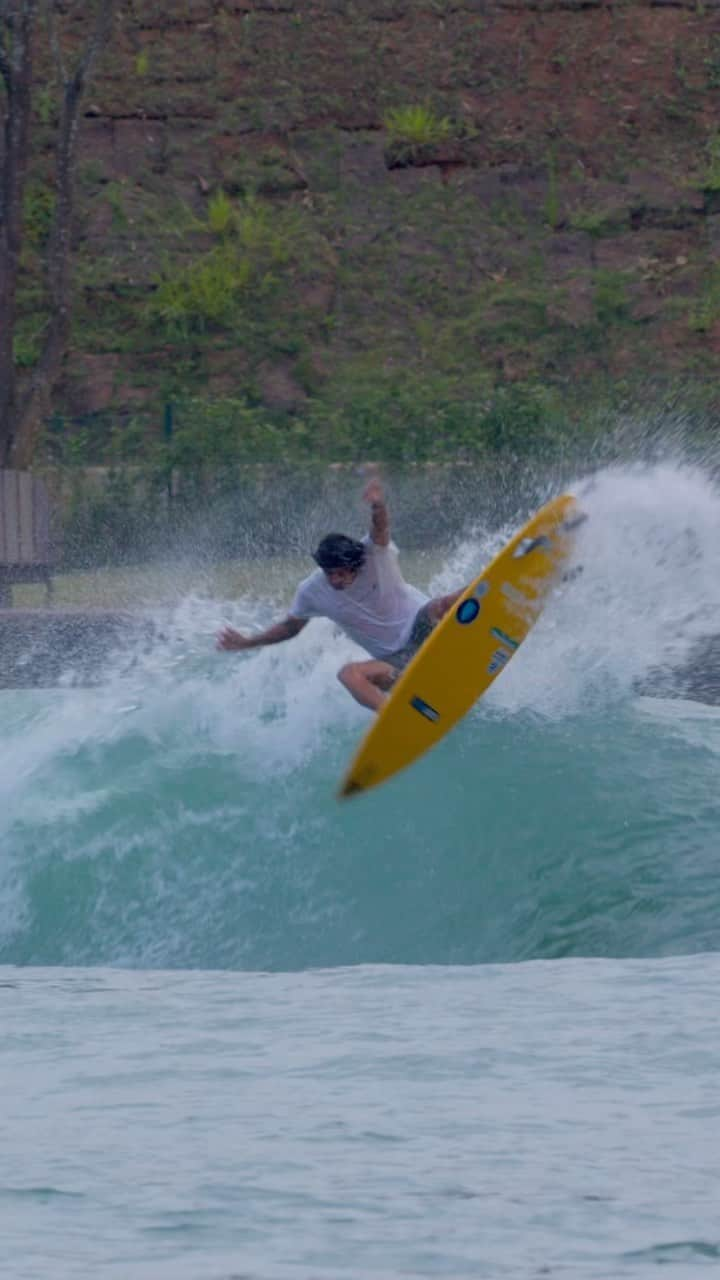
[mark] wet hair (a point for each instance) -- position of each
(337, 551)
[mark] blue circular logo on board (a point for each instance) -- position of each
(468, 610)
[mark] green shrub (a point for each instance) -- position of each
(38, 212)
(114, 194)
(711, 180)
(220, 213)
(228, 287)
(595, 222)
(610, 298)
(399, 417)
(45, 101)
(415, 133)
(27, 340)
(204, 294)
(210, 436)
(249, 265)
(552, 210)
(416, 126)
(705, 311)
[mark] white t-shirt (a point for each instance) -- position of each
(377, 610)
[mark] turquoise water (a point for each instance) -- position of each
(258, 1033)
(551, 1119)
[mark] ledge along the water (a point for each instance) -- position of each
(696, 678)
(49, 647)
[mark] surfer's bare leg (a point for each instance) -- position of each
(368, 682)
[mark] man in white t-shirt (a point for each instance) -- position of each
(359, 585)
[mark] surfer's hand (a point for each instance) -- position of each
(232, 640)
(373, 491)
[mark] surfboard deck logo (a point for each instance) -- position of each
(468, 649)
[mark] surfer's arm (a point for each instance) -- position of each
(380, 519)
(230, 639)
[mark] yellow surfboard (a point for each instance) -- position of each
(468, 648)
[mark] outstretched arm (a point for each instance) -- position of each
(232, 640)
(380, 520)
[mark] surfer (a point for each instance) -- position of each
(359, 585)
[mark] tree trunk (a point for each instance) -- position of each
(17, 26)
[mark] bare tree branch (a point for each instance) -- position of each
(97, 41)
(55, 41)
(5, 69)
(7, 17)
(36, 401)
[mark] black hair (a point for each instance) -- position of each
(337, 551)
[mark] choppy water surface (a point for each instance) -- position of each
(556, 1118)
(265, 1119)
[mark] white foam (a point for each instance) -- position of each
(649, 588)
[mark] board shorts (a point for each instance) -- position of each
(421, 628)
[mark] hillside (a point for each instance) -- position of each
(262, 216)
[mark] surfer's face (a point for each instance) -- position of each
(339, 579)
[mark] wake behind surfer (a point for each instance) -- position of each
(359, 585)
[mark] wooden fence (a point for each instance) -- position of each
(25, 540)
